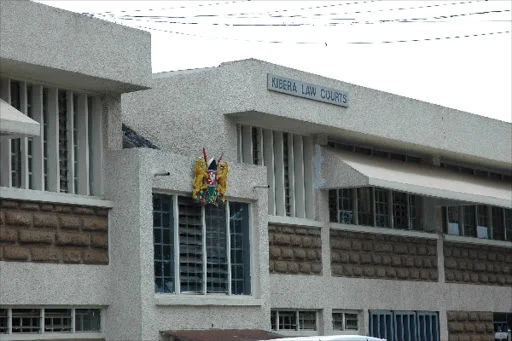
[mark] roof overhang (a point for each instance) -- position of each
(220, 335)
(341, 169)
(14, 124)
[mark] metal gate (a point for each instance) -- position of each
(405, 325)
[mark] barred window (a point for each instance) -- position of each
(49, 320)
(482, 216)
(212, 248)
(400, 220)
(344, 320)
(71, 141)
(381, 208)
(454, 220)
(365, 206)
(469, 221)
(498, 221)
(57, 320)
(405, 326)
(26, 321)
(293, 320)
(508, 224)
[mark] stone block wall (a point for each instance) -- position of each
(470, 326)
(477, 264)
(295, 250)
(53, 233)
(370, 255)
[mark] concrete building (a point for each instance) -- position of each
(349, 210)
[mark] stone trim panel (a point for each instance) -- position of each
(477, 264)
(53, 233)
(380, 256)
(295, 250)
(470, 326)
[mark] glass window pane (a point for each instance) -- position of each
(453, 220)
(400, 219)
(216, 250)
(381, 208)
(3, 321)
(345, 207)
(240, 248)
(163, 242)
(87, 320)
(191, 245)
(337, 321)
(469, 221)
(365, 206)
(287, 320)
(351, 322)
(307, 320)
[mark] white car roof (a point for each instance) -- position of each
(332, 338)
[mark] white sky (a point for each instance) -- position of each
(470, 74)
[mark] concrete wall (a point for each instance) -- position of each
(195, 103)
(47, 42)
(136, 311)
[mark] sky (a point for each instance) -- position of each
(385, 45)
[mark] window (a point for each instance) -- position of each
(365, 206)
(480, 221)
(4, 328)
(453, 220)
(49, 320)
(209, 245)
(344, 320)
(405, 326)
(87, 320)
(381, 208)
(57, 320)
(25, 320)
(293, 320)
(58, 161)
(288, 158)
(405, 209)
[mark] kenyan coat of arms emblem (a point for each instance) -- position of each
(209, 183)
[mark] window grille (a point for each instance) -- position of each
(163, 239)
(26, 321)
(400, 219)
(4, 318)
(57, 320)
(405, 326)
(288, 158)
(508, 224)
(381, 208)
(344, 321)
(212, 255)
(482, 216)
(406, 209)
(453, 220)
(469, 221)
(293, 320)
(71, 138)
(345, 207)
(365, 206)
(498, 228)
(87, 320)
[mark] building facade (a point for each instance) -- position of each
(348, 210)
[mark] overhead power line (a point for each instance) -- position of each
(324, 43)
(344, 21)
(169, 8)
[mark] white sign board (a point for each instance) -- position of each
(306, 90)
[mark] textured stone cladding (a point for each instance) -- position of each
(477, 264)
(470, 326)
(51, 233)
(295, 250)
(369, 255)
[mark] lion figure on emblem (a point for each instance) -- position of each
(199, 175)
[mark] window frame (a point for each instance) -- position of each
(10, 335)
(297, 329)
(344, 314)
(42, 163)
(364, 208)
(471, 231)
(176, 251)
